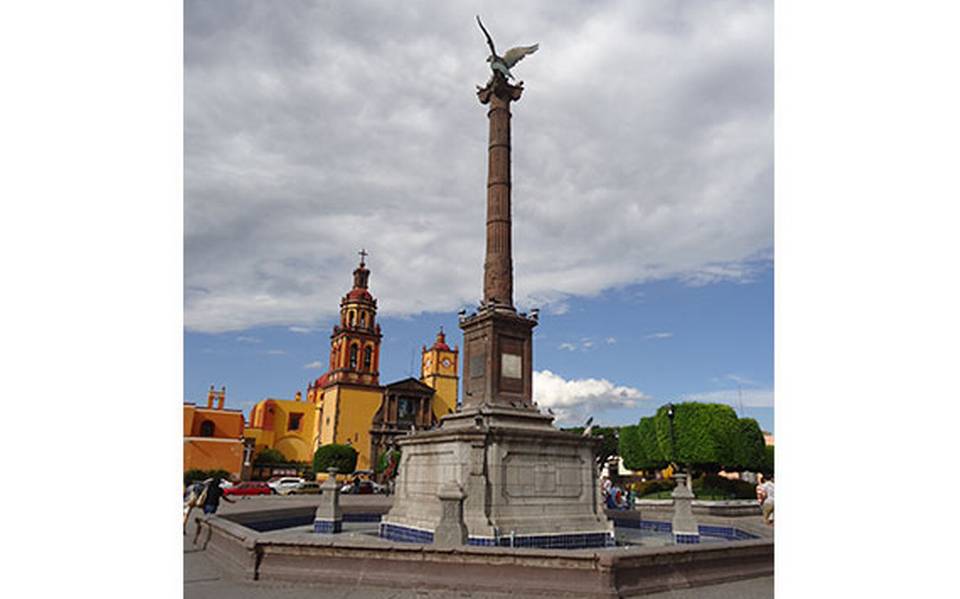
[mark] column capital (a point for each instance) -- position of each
(499, 87)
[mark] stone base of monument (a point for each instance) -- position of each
(525, 484)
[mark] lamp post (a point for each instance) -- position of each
(684, 525)
(673, 442)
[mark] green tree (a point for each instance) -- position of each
(269, 455)
(704, 435)
(639, 447)
(767, 469)
(341, 457)
(748, 447)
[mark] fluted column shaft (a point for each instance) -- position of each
(498, 263)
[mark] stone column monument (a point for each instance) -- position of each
(524, 482)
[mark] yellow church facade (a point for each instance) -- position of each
(347, 405)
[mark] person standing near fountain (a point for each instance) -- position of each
(214, 494)
(766, 502)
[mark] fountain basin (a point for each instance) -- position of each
(278, 544)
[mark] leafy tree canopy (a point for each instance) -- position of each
(707, 437)
(341, 457)
(268, 455)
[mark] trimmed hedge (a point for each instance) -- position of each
(713, 485)
(706, 437)
(639, 448)
(341, 457)
(749, 449)
(708, 485)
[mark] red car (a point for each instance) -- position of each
(248, 488)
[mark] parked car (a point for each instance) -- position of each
(248, 488)
(284, 484)
(306, 488)
(363, 487)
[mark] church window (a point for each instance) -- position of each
(353, 356)
(206, 428)
(367, 358)
(353, 318)
(294, 423)
(363, 319)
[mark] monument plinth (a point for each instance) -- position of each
(521, 481)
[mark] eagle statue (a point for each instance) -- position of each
(502, 64)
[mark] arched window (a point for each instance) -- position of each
(206, 428)
(363, 319)
(367, 358)
(353, 356)
(353, 318)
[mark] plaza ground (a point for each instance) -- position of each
(205, 579)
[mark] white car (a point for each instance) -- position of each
(285, 484)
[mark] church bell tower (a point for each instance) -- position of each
(438, 369)
(355, 342)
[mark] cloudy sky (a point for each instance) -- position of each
(642, 198)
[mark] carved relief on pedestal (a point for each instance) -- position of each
(537, 475)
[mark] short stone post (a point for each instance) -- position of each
(685, 529)
(328, 518)
(451, 531)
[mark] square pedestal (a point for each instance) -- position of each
(526, 483)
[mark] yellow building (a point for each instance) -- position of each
(347, 405)
(213, 436)
(289, 426)
(438, 369)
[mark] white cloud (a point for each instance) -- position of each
(567, 346)
(658, 336)
(301, 330)
(741, 380)
(303, 134)
(611, 340)
(247, 339)
(275, 352)
(316, 365)
(749, 398)
(572, 401)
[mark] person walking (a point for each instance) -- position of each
(765, 490)
(213, 495)
(192, 497)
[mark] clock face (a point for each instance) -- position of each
(427, 362)
(446, 362)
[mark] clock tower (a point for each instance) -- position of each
(438, 369)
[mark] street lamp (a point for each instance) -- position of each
(673, 442)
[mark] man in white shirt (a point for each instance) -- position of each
(767, 503)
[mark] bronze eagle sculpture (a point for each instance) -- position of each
(502, 64)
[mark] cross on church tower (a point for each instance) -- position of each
(363, 256)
